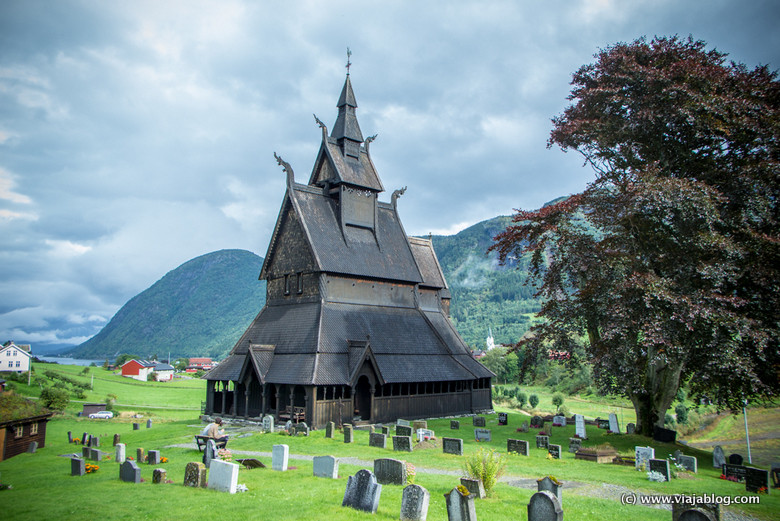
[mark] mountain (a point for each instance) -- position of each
(199, 309)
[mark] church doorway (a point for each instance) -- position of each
(363, 398)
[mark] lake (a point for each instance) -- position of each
(71, 361)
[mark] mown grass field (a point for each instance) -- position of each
(44, 489)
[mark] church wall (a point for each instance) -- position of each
(370, 292)
(292, 270)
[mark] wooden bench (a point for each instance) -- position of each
(203, 440)
(296, 414)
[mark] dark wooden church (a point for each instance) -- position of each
(355, 326)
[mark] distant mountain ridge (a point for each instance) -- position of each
(202, 307)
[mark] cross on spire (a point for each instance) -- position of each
(349, 64)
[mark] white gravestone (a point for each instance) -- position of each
(120, 456)
(223, 476)
(280, 457)
(579, 426)
(614, 426)
(643, 456)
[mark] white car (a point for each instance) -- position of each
(102, 414)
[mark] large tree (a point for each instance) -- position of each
(666, 266)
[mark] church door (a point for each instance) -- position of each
(363, 398)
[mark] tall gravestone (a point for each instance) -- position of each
(119, 455)
(348, 433)
(579, 426)
(195, 475)
(460, 507)
(330, 428)
(718, 458)
(77, 467)
(544, 506)
(140, 455)
(279, 457)
(223, 476)
(149, 423)
(268, 423)
(70, 437)
(552, 486)
(642, 457)
(326, 467)
(414, 503)
(362, 492)
(117, 439)
(154, 457)
(390, 471)
(130, 472)
(503, 418)
(209, 453)
(614, 426)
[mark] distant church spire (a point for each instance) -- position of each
(346, 130)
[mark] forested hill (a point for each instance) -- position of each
(200, 308)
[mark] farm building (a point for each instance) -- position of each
(21, 423)
(14, 358)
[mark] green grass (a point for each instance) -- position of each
(44, 489)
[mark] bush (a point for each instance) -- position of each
(487, 465)
(557, 401)
(682, 414)
(55, 398)
(533, 401)
(669, 421)
(521, 399)
(564, 411)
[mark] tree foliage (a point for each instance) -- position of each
(667, 262)
(55, 398)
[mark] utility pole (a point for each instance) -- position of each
(747, 434)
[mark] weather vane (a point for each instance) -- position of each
(349, 64)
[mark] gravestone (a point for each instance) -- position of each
(403, 430)
(774, 473)
(718, 458)
(630, 428)
(136, 426)
(378, 440)
(474, 486)
(554, 451)
(404, 423)
(689, 463)
(602, 424)
(559, 421)
(642, 457)
(414, 503)
(77, 467)
(119, 451)
(330, 428)
(422, 434)
(280, 457)
(503, 418)
(70, 437)
(301, 429)
(85, 439)
(362, 492)
(223, 476)
(158, 476)
(94, 441)
(209, 453)
(734, 471)
(575, 444)
(544, 506)
(517, 446)
(700, 512)
(288, 426)
(140, 455)
(32, 447)
(579, 426)
(402, 443)
(130, 472)
(348, 438)
(524, 427)
(95, 455)
(419, 424)
(85, 452)
(553, 487)
(154, 457)
(454, 425)
(149, 423)
(537, 422)
(735, 459)
(664, 435)
(662, 466)
(268, 424)
(385, 430)
(614, 426)
(478, 421)
(390, 471)
(756, 479)
(542, 442)
(326, 467)
(117, 438)
(195, 474)
(483, 435)
(452, 446)
(460, 507)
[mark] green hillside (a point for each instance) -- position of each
(198, 309)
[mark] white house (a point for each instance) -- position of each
(14, 358)
(164, 372)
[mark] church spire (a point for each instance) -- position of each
(346, 130)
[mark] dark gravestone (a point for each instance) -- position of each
(158, 476)
(95, 454)
(460, 507)
(542, 442)
(154, 457)
(503, 418)
(474, 486)
(478, 421)
(301, 429)
(195, 475)
(85, 439)
(735, 459)
(630, 428)
(544, 506)
(85, 452)
(483, 435)
(602, 424)
(552, 486)
(452, 446)
(660, 465)
(664, 435)
(390, 471)
(378, 440)
(454, 425)
(362, 492)
(149, 423)
(774, 472)
(756, 479)
(689, 463)
(517, 446)
(385, 430)
(414, 503)
(77, 467)
(734, 471)
(32, 447)
(330, 428)
(537, 422)
(209, 452)
(403, 430)
(130, 472)
(94, 441)
(348, 436)
(402, 443)
(117, 439)
(575, 444)
(718, 458)
(70, 437)
(554, 451)
(700, 512)
(136, 426)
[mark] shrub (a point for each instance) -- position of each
(533, 401)
(521, 399)
(557, 401)
(55, 398)
(669, 421)
(682, 414)
(564, 411)
(487, 465)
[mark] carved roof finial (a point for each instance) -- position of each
(369, 140)
(322, 126)
(396, 195)
(287, 168)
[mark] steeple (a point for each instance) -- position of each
(346, 130)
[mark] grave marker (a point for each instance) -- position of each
(478, 421)
(158, 476)
(385, 430)
(362, 492)
(326, 467)
(348, 437)
(149, 423)
(140, 455)
(32, 447)
(662, 466)
(554, 487)
(77, 467)
(503, 418)
(403, 430)
(756, 479)
(209, 453)
(454, 425)
(70, 437)
(330, 428)
(483, 435)
(575, 444)
(130, 472)
(718, 458)
(559, 421)
(542, 441)
(414, 503)
(630, 428)
(154, 457)
(664, 435)
(524, 427)
(94, 441)
(223, 476)
(422, 434)
(517, 446)
(301, 429)
(537, 422)
(377, 440)
(404, 423)
(452, 446)
(119, 453)
(195, 474)
(460, 507)
(474, 486)
(554, 451)
(268, 424)
(689, 463)
(136, 426)
(544, 506)
(614, 426)
(95, 455)
(602, 424)
(116, 439)
(419, 424)
(402, 443)
(579, 426)
(734, 471)
(390, 471)
(280, 457)
(642, 457)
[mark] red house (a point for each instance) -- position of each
(138, 369)
(23, 422)
(196, 364)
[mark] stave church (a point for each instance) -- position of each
(356, 324)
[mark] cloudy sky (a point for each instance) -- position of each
(137, 135)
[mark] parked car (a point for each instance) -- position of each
(102, 414)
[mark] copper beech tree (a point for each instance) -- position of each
(666, 266)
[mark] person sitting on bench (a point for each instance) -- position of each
(212, 431)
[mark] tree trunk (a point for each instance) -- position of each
(661, 384)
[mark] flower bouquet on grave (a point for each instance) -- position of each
(89, 468)
(729, 478)
(225, 455)
(656, 476)
(163, 460)
(77, 441)
(762, 490)
(543, 433)
(550, 456)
